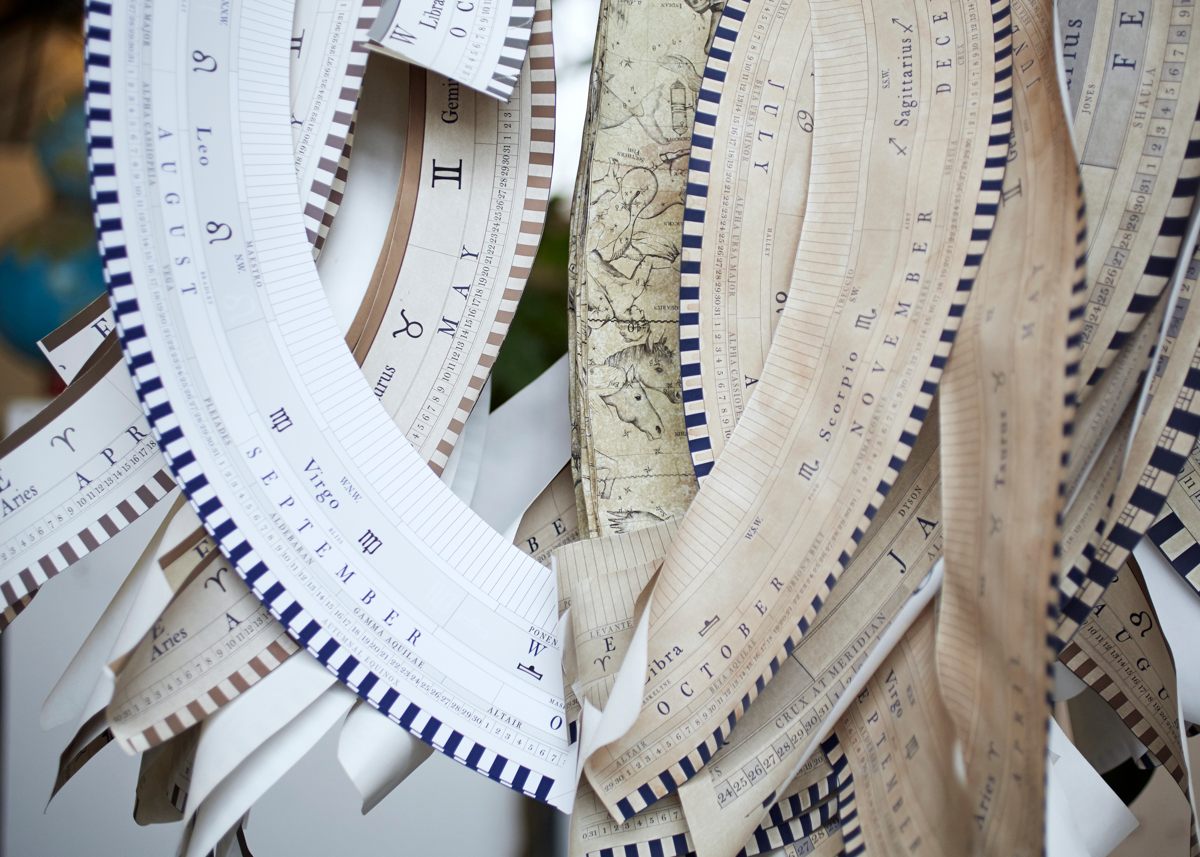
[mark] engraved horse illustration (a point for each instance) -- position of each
(631, 404)
(654, 364)
(628, 520)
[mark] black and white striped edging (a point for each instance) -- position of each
(1075, 319)
(150, 389)
(802, 801)
(764, 839)
(853, 842)
(987, 205)
(767, 839)
(798, 813)
(708, 102)
(1164, 252)
(1095, 569)
(1177, 545)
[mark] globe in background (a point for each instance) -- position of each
(51, 270)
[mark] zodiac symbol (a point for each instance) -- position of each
(216, 578)
(64, 438)
(413, 329)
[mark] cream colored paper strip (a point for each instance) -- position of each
(1008, 402)
(633, 463)
(469, 214)
(899, 793)
(847, 384)
(747, 186)
(1134, 97)
(75, 476)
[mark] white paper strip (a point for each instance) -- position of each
(1084, 817)
(70, 695)
(528, 442)
(233, 798)
(376, 754)
(231, 735)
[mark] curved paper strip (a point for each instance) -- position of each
(469, 215)
(1144, 456)
(1134, 96)
(881, 279)
(328, 61)
(1008, 402)
(747, 185)
(332, 579)
(728, 796)
(214, 641)
(74, 476)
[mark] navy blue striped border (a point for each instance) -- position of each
(1097, 566)
(986, 206)
(1185, 557)
(853, 842)
(1075, 317)
(708, 103)
(107, 213)
(795, 804)
(823, 815)
(769, 839)
(1164, 254)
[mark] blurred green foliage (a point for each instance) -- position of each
(538, 335)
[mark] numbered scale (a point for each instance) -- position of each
(306, 485)
(878, 290)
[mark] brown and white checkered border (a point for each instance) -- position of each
(207, 702)
(323, 197)
(1091, 572)
(22, 585)
(533, 220)
(338, 192)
